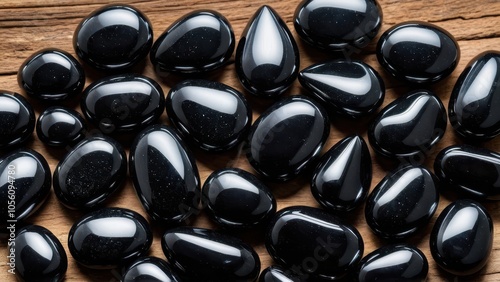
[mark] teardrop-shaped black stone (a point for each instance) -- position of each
(275, 273)
(60, 126)
(17, 119)
(149, 269)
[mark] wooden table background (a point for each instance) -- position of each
(30, 25)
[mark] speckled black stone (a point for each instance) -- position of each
(17, 119)
(149, 269)
(275, 273)
(60, 127)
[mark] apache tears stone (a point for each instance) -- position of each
(275, 274)
(149, 269)
(17, 119)
(60, 126)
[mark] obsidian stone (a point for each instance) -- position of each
(346, 87)
(39, 256)
(51, 74)
(462, 238)
(287, 137)
(114, 37)
(418, 52)
(123, 103)
(275, 274)
(473, 102)
(399, 262)
(214, 116)
(17, 119)
(205, 255)
(338, 25)
(94, 169)
(409, 127)
(267, 57)
(236, 199)
(313, 244)
(165, 175)
(197, 42)
(60, 126)
(149, 269)
(109, 237)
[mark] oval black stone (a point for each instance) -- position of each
(94, 169)
(17, 119)
(149, 269)
(214, 116)
(287, 137)
(275, 274)
(60, 126)
(267, 57)
(462, 238)
(418, 52)
(205, 255)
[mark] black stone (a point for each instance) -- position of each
(39, 255)
(214, 116)
(94, 169)
(462, 238)
(237, 199)
(287, 137)
(205, 255)
(418, 52)
(313, 243)
(17, 119)
(197, 42)
(165, 175)
(60, 126)
(149, 269)
(338, 25)
(114, 37)
(123, 103)
(267, 57)
(346, 87)
(343, 176)
(275, 274)
(409, 127)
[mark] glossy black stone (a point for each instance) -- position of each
(346, 87)
(51, 74)
(94, 169)
(313, 243)
(197, 42)
(475, 98)
(149, 269)
(60, 126)
(214, 116)
(287, 137)
(123, 103)
(418, 52)
(338, 25)
(275, 274)
(114, 37)
(236, 199)
(17, 119)
(401, 262)
(462, 238)
(39, 256)
(205, 255)
(267, 57)
(165, 175)
(109, 237)
(409, 126)
(402, 203)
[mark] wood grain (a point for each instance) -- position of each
(29, 25)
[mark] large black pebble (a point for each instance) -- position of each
(17, 119)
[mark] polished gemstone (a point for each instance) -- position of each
(462, 238)
(287, 137)
(267, 57)
(114, 37)
(338, 25)
(60, 126)
(275, 274)
(343, 176)
(214, 116)
(399, 262)
(123, 102)
(235, 198)
(109, 237)
(149, 269)
(206, 255)
(409, 126)
(165, 175)
(200, 41)
(346, 87)
(314, 244)
(39, 256)
(17, 119)
(418, 52)
(473, 102)
(94, 169)
(51, 74)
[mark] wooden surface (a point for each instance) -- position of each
(30, 25)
